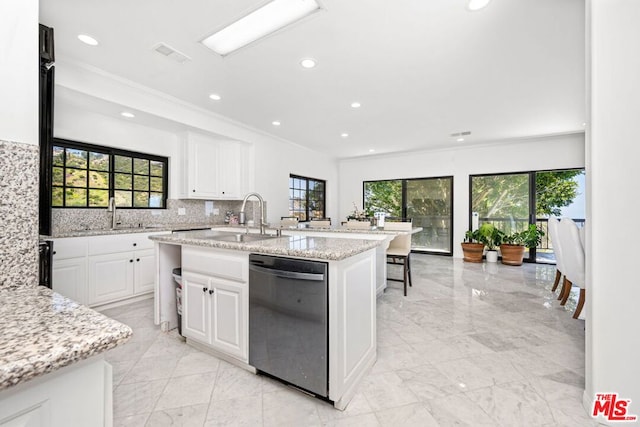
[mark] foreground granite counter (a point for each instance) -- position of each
(43, 331)
(331, 249)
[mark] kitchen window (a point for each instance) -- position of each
(86, 176)
(306, 197)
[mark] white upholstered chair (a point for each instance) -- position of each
(288, 221)
(358, 225)
(320, 223)
(573, 258)
(552, 227)
(399, 251)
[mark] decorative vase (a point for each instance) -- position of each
(512, 254)
(492, 256)
(472, 251)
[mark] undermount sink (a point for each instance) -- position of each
(240, 237)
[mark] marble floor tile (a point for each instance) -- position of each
(289, 408)
(137, 398)
(412, 415)
(240, 412)
(497, 330)
(187, 391)
(185, 416)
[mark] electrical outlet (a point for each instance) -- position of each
(216, 211)
(182, 211)
(208, 207)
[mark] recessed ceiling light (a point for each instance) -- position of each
(371, 150)
(460, 139)
(276, 123)
(263, 21)
(87, 40)
(584, 124)
(308, 63)
(355, 105)
(127, 114)
(215, 97)
(477, 4)
(344, 135)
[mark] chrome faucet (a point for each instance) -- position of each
(112, 208)
(242, 219)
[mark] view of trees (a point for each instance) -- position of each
(80, 178)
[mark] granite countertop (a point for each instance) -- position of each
(42, 331)
(333, 229)
(129, 230)
(297, 246)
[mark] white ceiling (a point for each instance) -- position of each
(422, 69)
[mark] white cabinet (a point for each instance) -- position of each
(214, 313)
(215, 169)
(216, 299)
(101, 269)
(110, 277)
(69, 278)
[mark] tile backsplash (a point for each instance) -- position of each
(69, 219)
(18, 214)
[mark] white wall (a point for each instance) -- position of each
(613, 291)
(19, 71)
(566, 151)
(274, 159)
(78, 124)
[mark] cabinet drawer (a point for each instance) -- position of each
(216, 263)
(72, 247)
(99, 245)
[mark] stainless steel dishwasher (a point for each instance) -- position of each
(288, 321)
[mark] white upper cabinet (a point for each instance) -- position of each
(214, 169)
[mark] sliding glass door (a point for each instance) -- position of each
(427, 201)
(512, 201)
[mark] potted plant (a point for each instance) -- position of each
(472, 247)
(492, 238)
(513, 246)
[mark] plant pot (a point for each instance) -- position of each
(472, 251)
(492, 256)
(512, 254)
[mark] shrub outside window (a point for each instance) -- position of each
(86, 176)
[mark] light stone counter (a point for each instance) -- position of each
(332, 249)
(130, 230)
(42, 331)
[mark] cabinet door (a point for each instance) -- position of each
(202, 169)
(69, 278)
(144, 271)
(232, 171)
(195, 310)
(228, 318)
(110, 277)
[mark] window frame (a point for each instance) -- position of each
(403, 184)
(111, 152)
(306, 179)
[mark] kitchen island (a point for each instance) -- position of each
(52, 371)
(215, 317)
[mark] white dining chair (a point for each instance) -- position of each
(573, 258)
(552, 227)
(399, 251)
(320, 223)
(288, 222)
(359, 225)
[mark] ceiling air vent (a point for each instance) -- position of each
(171, 53)
(465, 133)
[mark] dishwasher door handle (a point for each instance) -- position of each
(288, 274)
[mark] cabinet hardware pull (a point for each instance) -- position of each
(210, 291)
(135, 244)
(130, 260)
(54, 252)
(137, 259)
(193, 191)
(204, 289)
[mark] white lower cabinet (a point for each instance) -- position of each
(104, 269)
(215, 313)
(69, 278)
(110, 277)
